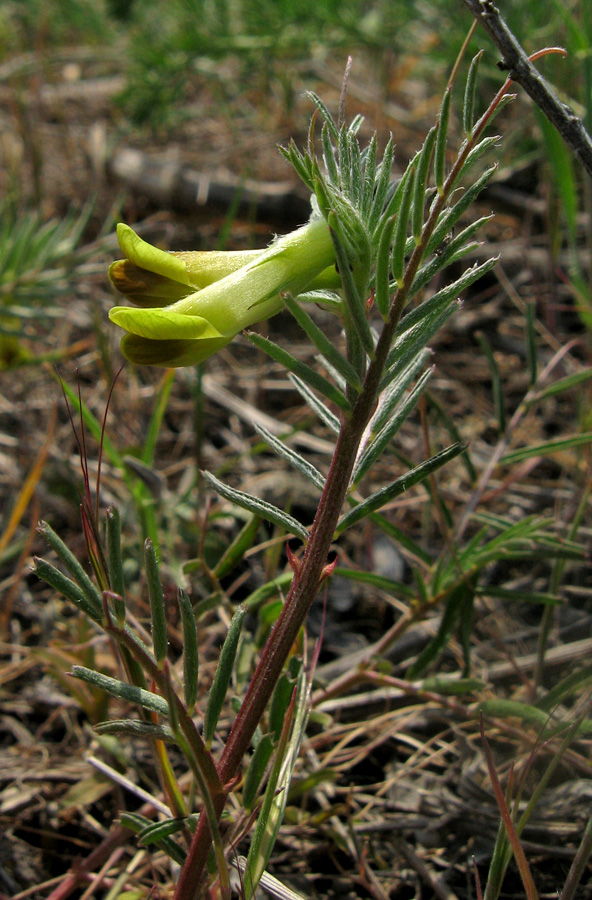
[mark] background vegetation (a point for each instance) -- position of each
(393, 766)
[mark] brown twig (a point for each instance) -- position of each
(524, 73)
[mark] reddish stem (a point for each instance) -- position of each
(305, 584)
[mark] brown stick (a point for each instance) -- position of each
(522, 71)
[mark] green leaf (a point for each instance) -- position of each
(369, 165)
(294, 459)
(267, 591)
(157, 608)
(452, 687)
(453, 433)
(139, 824)
(223, 675)
(257, 506)
(565, 688)
(276, 792)
(516, 595)
(312, 378)
(136, 728)
(478, 151)
(381, 189)
(566, 184)
(323, 297)
(496, 381)
(545, 449)
(382, 295)
(326, 115)
(380, 442)
(380, 582)
(329, 154)
(190, 649)
(397, 487)
(440, 151)
(412, 340)
(322, 411)
(429, 312)
(65, 555)
(156, 831)
(450, 253)
(457, 602)
(400, 235)
(326, 348)
(128, 692)
(525, 539)
(514, 709)
(469, 101)
(344, 157)
(235, 552)
(158, 411)
(114, 562)
(419, 187)
(67, 588)
(563, 384)
(396, 389)
(278, 706)
(301, 164)
(450, 217)
(256, 770)
(355, 302)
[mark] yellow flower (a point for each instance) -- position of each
(193, 304)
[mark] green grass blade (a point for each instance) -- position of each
(400, 233)
(154, 426)
(137, 729)
(382, 287)
(256, 770)
(546, 449)
(419, 187)
(456, 602)
(450, 217)
(235, 552)
(496, 381)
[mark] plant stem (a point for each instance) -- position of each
(300, 597)
(306, 583)
(579, 864)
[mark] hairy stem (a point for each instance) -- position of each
(306, 582)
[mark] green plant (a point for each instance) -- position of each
(38, 262)
(389, 240)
